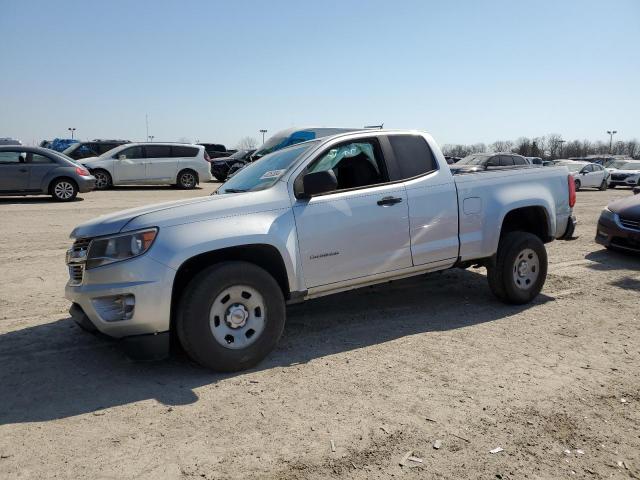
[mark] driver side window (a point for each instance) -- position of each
(355, 164)
(131, 152)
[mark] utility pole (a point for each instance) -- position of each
(71, 129)
(263, 131)
(146, 121)
(611, 134)
(561, 142)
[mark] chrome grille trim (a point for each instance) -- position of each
(630, 224)
(76, 258)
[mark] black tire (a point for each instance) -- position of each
(193, 322)
(577, 184)
(603, 186)
(187, 179)
(612, 186)
(63, 190)
(501, 272)
(103, 179)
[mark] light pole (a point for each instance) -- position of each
(263, 131)
(561, 142)
(151, 137)
(71, 130)
(611, 134)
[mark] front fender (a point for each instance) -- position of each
(177, 244)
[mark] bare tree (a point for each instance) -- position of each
(501, 146)
(247, 143)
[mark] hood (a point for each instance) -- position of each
(185, 211)
(83, 161)
(628, 207)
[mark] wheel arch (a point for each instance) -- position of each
(263, 255)
(532, 219)
(59, 177)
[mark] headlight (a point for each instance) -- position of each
(608, 215)
(106, 250)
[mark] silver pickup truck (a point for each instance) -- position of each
(313, 219)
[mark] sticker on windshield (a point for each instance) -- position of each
(271, 174)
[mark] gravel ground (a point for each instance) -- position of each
(359, 379)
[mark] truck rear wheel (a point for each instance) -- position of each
(520, 268)
(231, 316)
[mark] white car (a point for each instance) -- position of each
(178, 164)
(586, 174)
(627, 175)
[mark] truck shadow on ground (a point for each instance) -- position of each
(33, 200)
(56, 370)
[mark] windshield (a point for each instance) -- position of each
(631, 166)
(263, 173)
(473, 160)
(239, 154)
(574, 167)
(271, 145)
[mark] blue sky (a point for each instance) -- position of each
(466, 71)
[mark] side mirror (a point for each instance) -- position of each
(122, 157)
(318, 182)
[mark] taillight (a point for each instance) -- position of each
(83, 172)
(207, 157)
(572, 191)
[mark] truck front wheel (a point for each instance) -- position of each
(520, 268)
(231, 316)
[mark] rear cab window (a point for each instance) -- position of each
(413, 156)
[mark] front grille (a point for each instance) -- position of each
(631, 224)
(76, 257)
(75, 274)
(619, 176)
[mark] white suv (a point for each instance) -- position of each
(178, 164)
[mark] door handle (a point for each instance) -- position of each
(386, 201)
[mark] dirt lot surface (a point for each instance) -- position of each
(359, 379)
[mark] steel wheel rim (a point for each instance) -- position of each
(63, 190)
(101, 180)
(237, 316)
(188, 180)
(526, 269)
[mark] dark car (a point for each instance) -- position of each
(94, 148)
(220, 167)
(478, 162)
(619, 225)
(216, 150)
(40, 171)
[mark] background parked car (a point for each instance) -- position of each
(586, 174)
(220, 166)
(288, 137)
(60, 144)
(628, 175)
(217, 150)
(535, 161)
(619, 225)
(178, 164)
(40, 171)
(9, 141)
(489, 161)
(94, 148)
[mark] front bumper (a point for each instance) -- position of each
(147, 280)
(611, 234)
(86, 184)
(219, 171)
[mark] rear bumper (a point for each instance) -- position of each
(86, 184)
(570, 229)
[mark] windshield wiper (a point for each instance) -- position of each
(234, 190)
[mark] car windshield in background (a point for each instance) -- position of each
(631, 166)
(473, 160)
(615, 163)
(574, 167)
(239, 154)
(269, 146)
(263, 173)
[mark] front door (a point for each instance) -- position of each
(14, 174)
(129, 165)
(359, 230)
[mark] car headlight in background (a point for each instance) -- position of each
(607, 214)
(106, 250)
